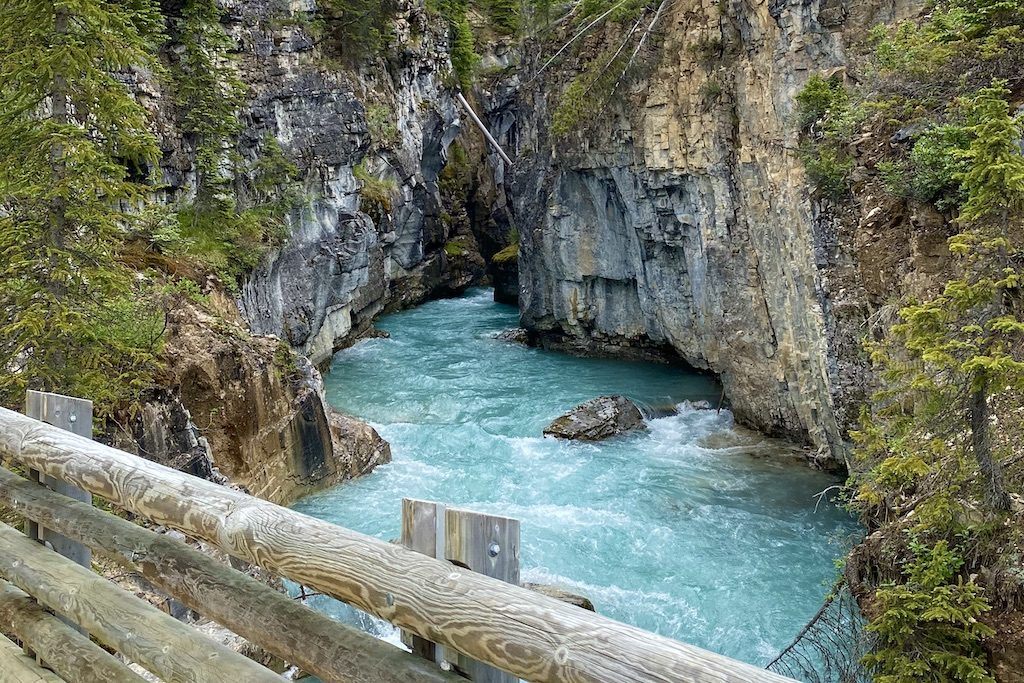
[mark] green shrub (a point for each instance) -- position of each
(978, 30)
(571, 108)
(381, 125)
(829, 169)
(818, 98)
(357, 29)
(376, 192)
(711, 90)
(455, 248)
(508, 254)
(504, 14)
(927, 626)
(935, 162)
(895, 177)
(230, 242)
(455, 178)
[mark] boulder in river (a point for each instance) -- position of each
(597, 419)
(516, 335)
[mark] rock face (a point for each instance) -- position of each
(684, 219)
(597, 419)
(347, 259)
(505, 277)
(246, 409)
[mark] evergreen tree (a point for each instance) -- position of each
(75, 149)
(238, 209)
(930, 436)
(950, 354)
(209, 94)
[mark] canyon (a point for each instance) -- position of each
(679, 226)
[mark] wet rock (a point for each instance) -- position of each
(516, 335)
(597, 419)
(246, 409)
(561, 594)
(649, 228)
(358, 448)
(505, 274)
(374, 333)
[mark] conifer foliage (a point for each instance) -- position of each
(75, 153)
(934, 441)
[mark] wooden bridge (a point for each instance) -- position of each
(70, 620)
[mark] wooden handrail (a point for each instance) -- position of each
(250, 608)
(533, 636)
(65, 650)
(172, 650)
(16, 667)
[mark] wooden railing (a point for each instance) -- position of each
(508, 627)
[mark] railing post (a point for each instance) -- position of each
(485, 544)
(73, 415)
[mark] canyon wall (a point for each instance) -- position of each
(242, 399)
(682, 219)
(245, 409)
(346, 261)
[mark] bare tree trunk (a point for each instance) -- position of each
(981, 439)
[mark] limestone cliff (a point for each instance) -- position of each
(347, 257)
(682, 219)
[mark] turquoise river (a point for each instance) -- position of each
(678, 530)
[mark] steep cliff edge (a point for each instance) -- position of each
(770, 186)
(683, 219)
(370, 143)
(245, 409)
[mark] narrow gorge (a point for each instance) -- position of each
(790, 230)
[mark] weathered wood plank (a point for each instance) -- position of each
(488, 545)
(533, 636)
(74, 415)
(485, 544)
(253, 610)
(423, 532)
(170, 649)
(65, 650)
(17, 667)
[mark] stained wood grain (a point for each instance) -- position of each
(488, 545)
(485, 544)
(253, 610)
(65, 650)
(175, 652)
(533, 636)
(17, 667)
(423, 532)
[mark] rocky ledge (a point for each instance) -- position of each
(597, 419)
